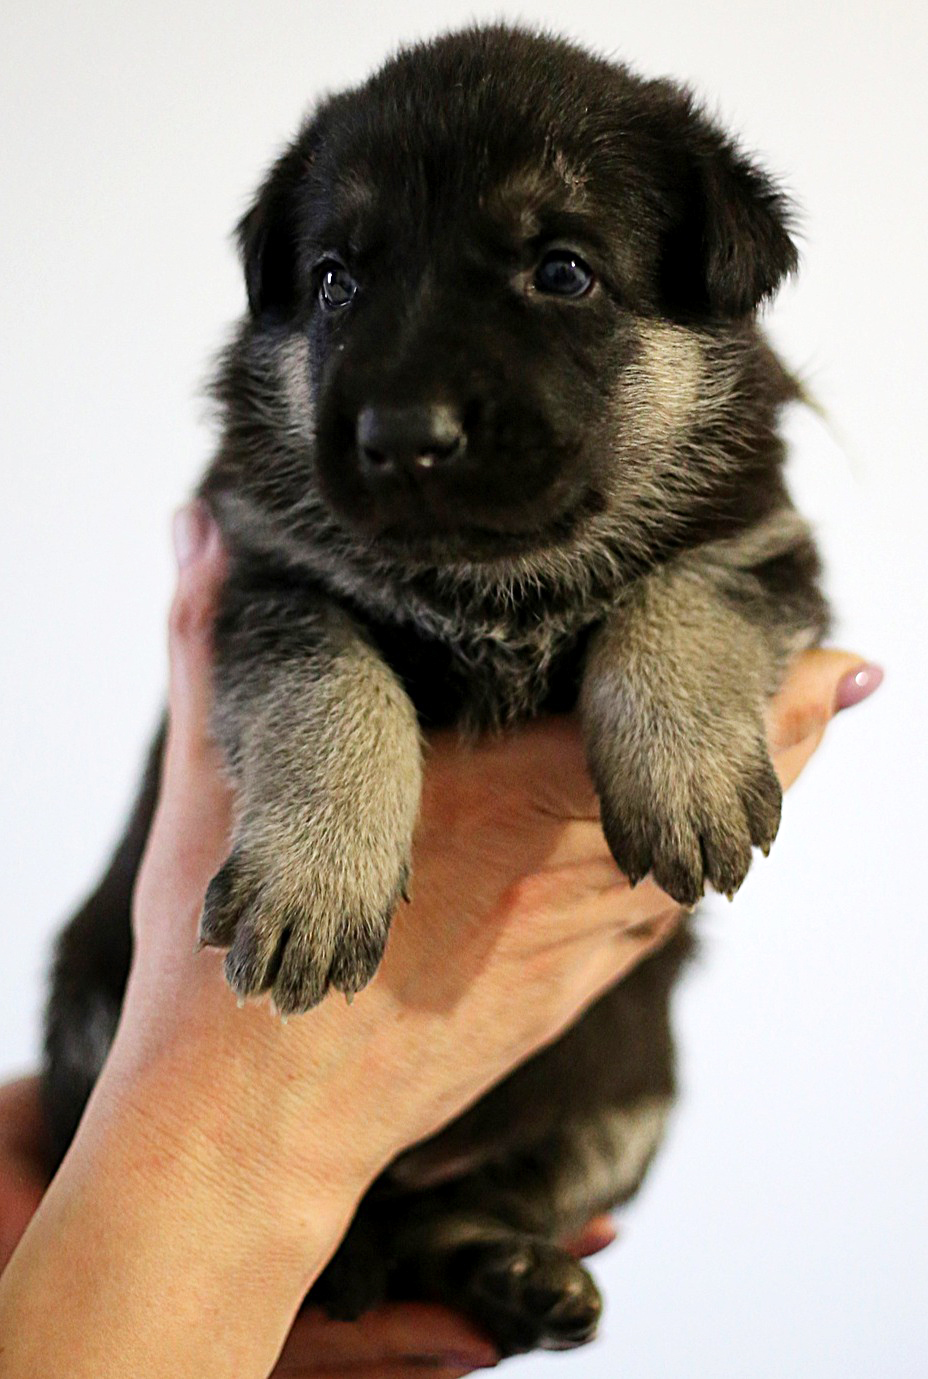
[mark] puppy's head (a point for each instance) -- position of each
(492, 281)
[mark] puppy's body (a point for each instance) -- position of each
(499, 438)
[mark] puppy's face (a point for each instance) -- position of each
(487, 278)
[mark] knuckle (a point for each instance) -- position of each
(796, 721)
(189, 617)
(182, 616)
(530, 895)
(657, 928)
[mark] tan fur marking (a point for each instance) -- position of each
(329, 769)
(672, 702)
(610, 1155)
(663, 385)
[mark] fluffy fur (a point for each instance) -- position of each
(455, 494)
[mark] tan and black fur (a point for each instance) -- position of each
(499, 438)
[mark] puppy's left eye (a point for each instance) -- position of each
(336, 285)
(563, 273)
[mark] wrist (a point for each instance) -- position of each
(258, 1158)
(149, 1264)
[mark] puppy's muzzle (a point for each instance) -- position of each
(402, 443)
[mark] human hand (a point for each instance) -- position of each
(22, 1170)
(222, 1154)
(400, 1339)
(514, 888)
(384, 1344)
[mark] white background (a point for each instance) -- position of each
(784, 1231)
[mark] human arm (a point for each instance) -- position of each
(267, 1135)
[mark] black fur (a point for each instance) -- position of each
(580, 506)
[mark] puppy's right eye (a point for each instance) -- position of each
(563, 273)
(336, 285)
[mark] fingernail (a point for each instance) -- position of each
(858, 685)
(190, 530)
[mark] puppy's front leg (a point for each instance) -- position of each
(323, 745)
(673, 697)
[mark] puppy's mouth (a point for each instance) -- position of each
(474, 503)
(438, 538)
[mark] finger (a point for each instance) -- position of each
(201, 570)
(582, 841)
(628, 948)
(818, 685)
(190, 833)
(598, 1234)
(22, 1172)
(557, 906)
(21, 1191)
(394, 1334)
(609, 961)
(21, 1124)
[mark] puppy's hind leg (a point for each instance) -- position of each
(487, 1244)
(465, 1246)
(89, 975)
(524, 1291)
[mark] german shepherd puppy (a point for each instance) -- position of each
(499, 438)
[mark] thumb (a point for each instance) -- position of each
(819, 684)
(22, 1176)
(189, 837)
(201, 570)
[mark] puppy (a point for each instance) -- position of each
(499, 438)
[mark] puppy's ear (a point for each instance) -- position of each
(728, 246)
(268, 233)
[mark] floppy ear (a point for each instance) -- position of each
(729, 245)
(268, 233)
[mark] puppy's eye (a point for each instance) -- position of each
(336, 285)
(563, 273)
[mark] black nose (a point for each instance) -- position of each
(414, 440)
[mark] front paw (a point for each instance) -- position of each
(692, 817)
(297, 920)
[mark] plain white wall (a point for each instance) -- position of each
(783, 1231)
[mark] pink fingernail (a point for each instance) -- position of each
(190, 529)
(858, 685)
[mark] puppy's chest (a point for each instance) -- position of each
(488, 674)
